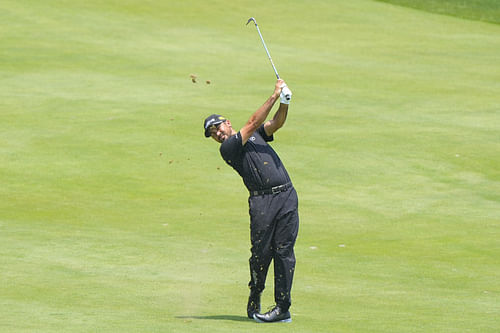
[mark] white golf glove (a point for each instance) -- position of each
(286, 95)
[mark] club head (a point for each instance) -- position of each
(250, 20)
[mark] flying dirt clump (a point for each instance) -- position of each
(194, 78)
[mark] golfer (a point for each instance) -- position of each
(274, 219)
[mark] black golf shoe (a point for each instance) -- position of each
(253, 304)
(276, 315)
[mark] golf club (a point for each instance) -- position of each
(285, 90)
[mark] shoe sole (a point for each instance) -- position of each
(287, 320)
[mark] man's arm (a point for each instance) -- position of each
(278, 120)
(261, 114)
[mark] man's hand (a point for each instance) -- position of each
(282, 90)
(286, 95)
(279, 86)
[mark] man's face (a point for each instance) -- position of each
(221, 131)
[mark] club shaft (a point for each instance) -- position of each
(267, 51)
(285, 90)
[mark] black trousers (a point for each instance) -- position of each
(274, 224)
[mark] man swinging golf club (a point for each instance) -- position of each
(274, 219)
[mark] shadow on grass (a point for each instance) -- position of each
(217, 317)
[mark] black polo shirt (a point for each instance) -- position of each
(256, 162)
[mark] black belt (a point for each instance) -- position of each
(272, 190)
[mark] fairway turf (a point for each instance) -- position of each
(117, 215)
(482, 10)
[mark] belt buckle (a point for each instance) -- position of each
(276, 189)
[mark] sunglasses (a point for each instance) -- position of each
(216, 126)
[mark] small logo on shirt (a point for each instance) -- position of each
(252, 138)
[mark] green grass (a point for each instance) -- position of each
(116, 215)
(482, 10)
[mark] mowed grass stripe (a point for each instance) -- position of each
(481, 10)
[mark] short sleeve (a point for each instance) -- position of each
(264, 135)
(231, 148)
